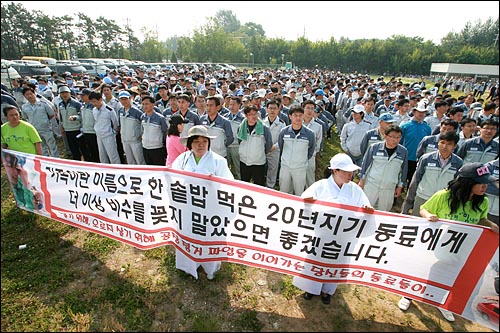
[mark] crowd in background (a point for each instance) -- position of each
(270, 125)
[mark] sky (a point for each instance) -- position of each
(315, 20)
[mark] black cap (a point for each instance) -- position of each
(476, 171)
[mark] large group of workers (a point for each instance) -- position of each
(269, 127)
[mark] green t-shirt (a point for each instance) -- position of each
(20, 138)
(438, 204)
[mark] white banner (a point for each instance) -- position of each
(448, 264)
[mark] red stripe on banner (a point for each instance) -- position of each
(472, 271)
(43, 187)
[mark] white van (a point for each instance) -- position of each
(8, 73)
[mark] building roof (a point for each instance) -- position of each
(469, 69)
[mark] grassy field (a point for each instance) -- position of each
(67, 279)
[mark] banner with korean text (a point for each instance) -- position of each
(447, 264)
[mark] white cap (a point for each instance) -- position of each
(343, 162)
(358, 108)
(261, 92)
(421, 107)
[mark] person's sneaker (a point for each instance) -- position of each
(448, 315)
(404, 303)
(326, 299)
(308, 296)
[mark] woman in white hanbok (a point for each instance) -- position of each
(337, 188)
(201, 160)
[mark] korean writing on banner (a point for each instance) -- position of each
(209, 218)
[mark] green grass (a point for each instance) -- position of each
(99, 246)
(205, 323)
(249, 322)
(288, 290)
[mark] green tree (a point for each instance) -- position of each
(224, 39)
(227, 20)
(211, 43)
(50, 34)
(133, 45)
(250, 29)
(152, 49)
(273, 48)
(479, 34)
(88, 41)
(67, 38)
(13, 23)
(110, 35)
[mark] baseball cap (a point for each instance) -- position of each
(387, 117)
(476, 171)
(476, 105)
(124, 94)
(358, 108)
(319, 92)
(421, 106)
(64, 89)
(343, 162)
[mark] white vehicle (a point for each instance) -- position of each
(28, 62)
(231, 67)
(8, 73)
(92, 61)
(95, 70)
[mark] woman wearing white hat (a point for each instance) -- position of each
(199, 159)
(336, 188)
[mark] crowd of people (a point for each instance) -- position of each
(269, 127)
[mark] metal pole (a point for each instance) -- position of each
(8, 76)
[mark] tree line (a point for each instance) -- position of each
(224, 39)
